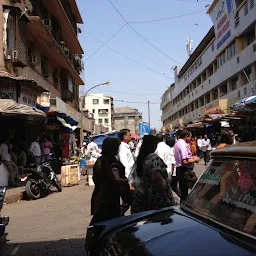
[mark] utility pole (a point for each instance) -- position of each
(149, 113)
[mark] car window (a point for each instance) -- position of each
(226, 193)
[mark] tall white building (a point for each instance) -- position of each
(220, 71)
(101, 107)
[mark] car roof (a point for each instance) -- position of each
(243, 150)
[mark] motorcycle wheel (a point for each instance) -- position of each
(32, 190)
(57, 185)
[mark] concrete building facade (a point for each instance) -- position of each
(101, 107)
(126, 118)
(221, 70)
(40, 52)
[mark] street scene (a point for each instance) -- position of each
(127, 125)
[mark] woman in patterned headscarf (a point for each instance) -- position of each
(155, 192)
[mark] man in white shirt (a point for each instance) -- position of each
(5, 157)
(199, 144)
(206, 148)
(35, 150)
(164, 152)
(125, 154)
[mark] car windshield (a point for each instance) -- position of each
(226, 193)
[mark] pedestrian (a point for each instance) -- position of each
(193, 146)
(6, 159)
(164, 152)
(206, 148)
(35, 151)
(46, 149)
(155, 192)
(185, 163)
(110, 184)
(83, 149)
(199, 145)
(226, 138)
(125, 154)
(132, 145)
(173, 181)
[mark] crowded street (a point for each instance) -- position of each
(127, 128)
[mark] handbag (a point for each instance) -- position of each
(134, 179)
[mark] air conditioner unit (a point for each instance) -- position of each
(47, 22)
(33, 60)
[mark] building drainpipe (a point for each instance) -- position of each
(2, 62)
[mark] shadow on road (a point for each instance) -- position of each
(67, 247)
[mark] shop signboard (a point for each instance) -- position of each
(27, 97)
(7, 90)
(222, 15)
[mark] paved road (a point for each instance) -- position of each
(52, 226)
(55, 225)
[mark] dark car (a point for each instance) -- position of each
(217, 218)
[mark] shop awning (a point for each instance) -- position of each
(214, 111)
(67, 121)
(23, 80)
(246, 104)
(11, 107)
(195, 125)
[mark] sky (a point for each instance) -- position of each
(137, 58)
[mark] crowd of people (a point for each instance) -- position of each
(145, 173)
(16, 155)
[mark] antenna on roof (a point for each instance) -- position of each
(189, 46)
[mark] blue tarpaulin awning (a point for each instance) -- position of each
(68, 122)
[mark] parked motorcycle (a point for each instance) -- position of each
(39, 179)
(3, 220)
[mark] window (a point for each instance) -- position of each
(215, 94)
(248, 72)
(250, 37)
(106, 101)
(234, 83)
(208, 98)
(10, 33)
(223, 89)
(212, 46)
(221, 59)
(237, 20)
(106, 120)
(95, 101)
(231, 50)
(246, 8)
(102, 111)
(44, 68)
(251, 4)
(93, 111)
(245, 91)
(238, 94)
(100, 121)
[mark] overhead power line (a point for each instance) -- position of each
(164, 19)
(142, 37)
(103, 44)
(130, 59)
